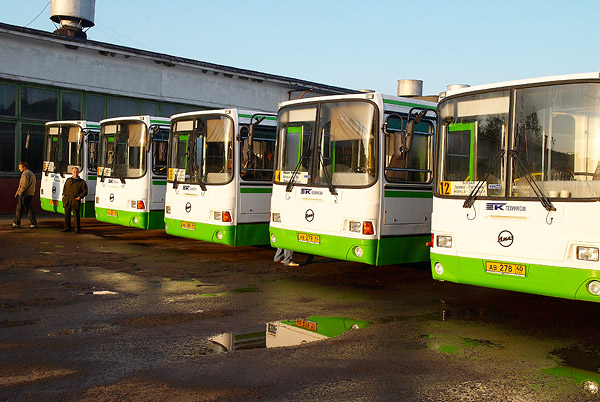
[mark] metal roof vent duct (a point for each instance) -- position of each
(73, 16)
(454, 87)
(410, 88)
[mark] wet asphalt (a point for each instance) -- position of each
(120, 314)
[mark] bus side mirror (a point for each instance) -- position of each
(244, 132)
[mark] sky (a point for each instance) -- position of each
(354, 44)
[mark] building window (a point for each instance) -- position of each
(7, 147)
(96, 105)
(167, 110)
(118, 107)
(150, 108)
(71, 106)
(39, 103)
(8, 95)
(32, 148)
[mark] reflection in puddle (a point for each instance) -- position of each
(284, 333)
(581, 367)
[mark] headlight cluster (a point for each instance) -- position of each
(364, 227)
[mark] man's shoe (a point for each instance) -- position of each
(15, 226)
(65, 230)
(33, 227)
(292, 264)
(77, 230)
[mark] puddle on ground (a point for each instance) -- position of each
(463, 344)
(283, 333)
(582, 367)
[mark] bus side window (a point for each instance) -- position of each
(408, 165)
(92, 140)
(257, 163)
(160, 142)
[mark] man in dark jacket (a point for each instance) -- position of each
(74, 191)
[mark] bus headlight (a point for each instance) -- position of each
(217, 215)
(587, 253)
(272, 238)
(438, 268)
(276, 217)
(594, 288)
(355, 226)
(168, 209)
(444, 241)
(219, 235)
(358, 251)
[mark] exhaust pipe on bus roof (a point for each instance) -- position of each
(451, 87)
(410, 88)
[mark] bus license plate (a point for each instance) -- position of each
(506, 269)
(111, 212)
(188, 225)
(54, 203)
(309, 238)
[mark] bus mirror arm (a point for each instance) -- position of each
(410, 127)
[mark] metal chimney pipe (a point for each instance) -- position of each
(410, 88)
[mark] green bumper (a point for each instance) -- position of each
(86, 211)
(385, 251)
(251, 234)
(546, 280)
(141, 220)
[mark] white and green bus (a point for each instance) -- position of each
(132, 171)
(518, 187)
(220, 176)
(69, 144)
(353, 177)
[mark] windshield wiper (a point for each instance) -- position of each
(330, 185)
(546, 203)
(291, 183)
(473, 195)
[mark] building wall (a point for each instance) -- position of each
(46, 77)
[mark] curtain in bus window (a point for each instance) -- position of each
(136, 132)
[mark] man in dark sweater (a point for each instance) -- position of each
(74, 191)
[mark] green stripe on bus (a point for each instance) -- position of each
(159, 182)
(384, 251)
(247, 116)
(141, 220)
(160, 121)
(245, 190)
(250, 234)
(92, 177)
(565, 282)
(408, 194)
(408, 104)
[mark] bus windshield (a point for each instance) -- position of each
(201, 150)
(331, 143)
(554, 142)
(63, 149)
(123, 148)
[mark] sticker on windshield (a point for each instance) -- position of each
(176, 174)
(104, 171)
(461, 188)
(284, 176)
